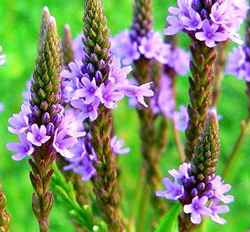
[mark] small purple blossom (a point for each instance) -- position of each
(181, 119)
(219, 189)
(174, 191)
(210, 34)
(193, 22)
(1, 107)
(117, 146)
(237, 64)
(153, 46)
(118, 75)
(182, 172)
(109, 96)
(62, 143)
(179, 61)
(123, 47)
(37, 136)
(20, 122)
(137, 91)
(88, 92)
(216, 210)
(22, 149)
(87, 110)
(197, 209)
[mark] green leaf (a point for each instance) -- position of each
(169, 223)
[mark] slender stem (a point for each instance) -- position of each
(244, 126)
(142, 207)
(219, 71)
(178, 142)
(140, 186)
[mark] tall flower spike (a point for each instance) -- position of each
(203, 168)
(44, 22)
(98, 60)
(67, 47)
(46, 110)
(202, 68)
(5, 218)
(142, 27)
(143, 20)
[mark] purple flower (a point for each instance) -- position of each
(216, 210)
(62, 142)
(236, 63)
(197, 209)
(1, 107)
(175, 26)
(117, 146)
(118, 75)
(179, 61)
(153, 46)
(181, 119)
(210, 34)
(87, 110)
(2, 57)
(173, 191)
(219, 189)
(82, 163)
(78, 47)
(20, 122)
(37, 136)
(182, 172)
(137, 91)
(123, 47)
(88, 92)
(109, 96)
(193, 22)
(221, 23)
(22, 149)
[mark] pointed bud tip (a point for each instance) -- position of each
(46, 11)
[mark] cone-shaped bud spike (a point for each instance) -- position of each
(67, 47)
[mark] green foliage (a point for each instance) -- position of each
(170, 221)
(65, 194)
(19, 33)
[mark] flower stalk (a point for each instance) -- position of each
(144, 70)
(97, 45)
(45, 98)
(202, 68)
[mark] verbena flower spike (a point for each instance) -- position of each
(195, 185)
(207, 23)
(42, 126)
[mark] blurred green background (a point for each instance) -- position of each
(19, 28)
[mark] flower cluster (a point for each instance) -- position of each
(238, 63)
(202, 203)
(211, 22)
(85, 94)
(64, 130)
(152, 47)
(77, 46)
(85, 156)
(163, 103)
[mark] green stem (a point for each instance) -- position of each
(142, 209)
(233, 155)
(178, 142)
